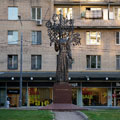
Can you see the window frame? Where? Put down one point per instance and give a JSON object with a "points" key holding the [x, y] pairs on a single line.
{"points": [[38, 42], [118, 18], [36, 13], [36, 61], [96, 62], [90, 43], [12, 63], [117, 67], [116, 37], [16, 17], [67, 10], [89, 12], [13, 42]]}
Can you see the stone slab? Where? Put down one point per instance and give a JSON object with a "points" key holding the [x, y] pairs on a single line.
{"points": [[63, 107], [62, 93]]}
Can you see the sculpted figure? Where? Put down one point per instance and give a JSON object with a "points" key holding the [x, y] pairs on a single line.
{"points": [[60, 31]]}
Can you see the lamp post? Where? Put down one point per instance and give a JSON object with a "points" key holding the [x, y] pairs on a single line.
{"points": [[21, 53]]}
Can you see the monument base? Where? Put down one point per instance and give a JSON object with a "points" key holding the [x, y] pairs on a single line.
{"points": [[62, 93], [63, 107], [62, 99]]}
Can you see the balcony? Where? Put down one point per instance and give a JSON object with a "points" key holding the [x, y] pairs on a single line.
{"points": [[103, 24], [86, 2]]}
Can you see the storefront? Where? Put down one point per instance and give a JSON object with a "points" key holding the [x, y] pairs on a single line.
{"points": [[39, 96], [116, 97], [30, 96], [13, 96], [94, 91], [42, 96], [94, 96], [34, 93]]}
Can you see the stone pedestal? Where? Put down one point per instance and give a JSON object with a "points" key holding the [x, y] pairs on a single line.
{"points": [[62, 93], [62, 99]]}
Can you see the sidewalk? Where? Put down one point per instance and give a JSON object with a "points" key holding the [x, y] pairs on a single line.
{"points": [[84, 107], [102, 107], [68, 116], [22, 108]]}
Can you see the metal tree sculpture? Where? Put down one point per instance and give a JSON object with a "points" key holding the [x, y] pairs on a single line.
{"points": [[60, 32]]}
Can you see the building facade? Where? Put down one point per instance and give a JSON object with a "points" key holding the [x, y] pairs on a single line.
{"points": [[94, 74]]}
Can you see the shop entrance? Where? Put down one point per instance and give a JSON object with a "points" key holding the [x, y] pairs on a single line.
{"points": [[13, 97], [13, 100]]}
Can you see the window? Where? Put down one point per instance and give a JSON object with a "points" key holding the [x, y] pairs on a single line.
{"points": [[39, 95], [12, 13], [36, 37], [93, 38], [118, 62], [36, 13], [105, 14], [117, 13], [117, 37], [91, 96], [93, 13], [12, 37], [36, 61], [93, 61], [67, 12], [12, 61]]}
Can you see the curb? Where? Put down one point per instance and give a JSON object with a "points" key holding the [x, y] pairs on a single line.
{"points": [[53, 114], [83, 115]]}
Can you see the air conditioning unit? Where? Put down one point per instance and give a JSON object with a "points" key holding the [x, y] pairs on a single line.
{"points": [[39, 22]]}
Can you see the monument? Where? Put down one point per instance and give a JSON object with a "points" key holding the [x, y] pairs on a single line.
{"points": [[62, 35]]}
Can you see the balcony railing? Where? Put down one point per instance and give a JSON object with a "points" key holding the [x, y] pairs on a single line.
{"points": [[97, 23], [88, 0]]}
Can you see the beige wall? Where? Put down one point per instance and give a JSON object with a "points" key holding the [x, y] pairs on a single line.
{"points": [[108, 50], [24, 9]]}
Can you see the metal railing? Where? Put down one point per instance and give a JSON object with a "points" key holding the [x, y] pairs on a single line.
{"points": [[111, 1]]}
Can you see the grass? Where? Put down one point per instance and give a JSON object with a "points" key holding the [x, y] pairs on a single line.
{"points": [[25, 115], [103, 114]]}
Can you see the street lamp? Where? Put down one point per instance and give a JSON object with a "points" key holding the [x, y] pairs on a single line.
{"points": [[21, 52]]}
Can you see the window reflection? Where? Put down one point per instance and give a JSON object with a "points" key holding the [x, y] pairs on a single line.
{"points": [[93, 38], [94, 96], [40, 96], [67, 12]]}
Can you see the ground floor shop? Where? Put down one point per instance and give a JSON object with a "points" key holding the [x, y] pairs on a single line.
{"points": [[98, 94], [30, 96], [83, 94], [91, 96]]}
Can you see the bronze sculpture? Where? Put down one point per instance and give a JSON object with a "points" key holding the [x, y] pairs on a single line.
{"points": [[60, 32]]}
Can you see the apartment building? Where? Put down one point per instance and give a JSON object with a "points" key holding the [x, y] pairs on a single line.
{"points": [[94, 74]]}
